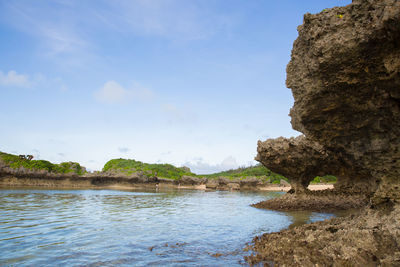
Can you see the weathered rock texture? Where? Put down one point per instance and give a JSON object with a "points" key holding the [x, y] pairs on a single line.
{"points": [[190, 180], [299, 159], [367, 239], [345, 77], [320, 201]]}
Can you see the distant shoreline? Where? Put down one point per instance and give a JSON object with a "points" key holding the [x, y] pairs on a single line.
{"points": [[82, 182], [312, 187]]}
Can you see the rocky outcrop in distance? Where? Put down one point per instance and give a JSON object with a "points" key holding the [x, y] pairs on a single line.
{"points": [[32, 177]]}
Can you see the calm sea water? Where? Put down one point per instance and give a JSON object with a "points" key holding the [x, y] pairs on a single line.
{"points": [[131, 228]]}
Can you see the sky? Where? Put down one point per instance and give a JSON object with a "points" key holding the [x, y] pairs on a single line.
{"points": [[188, 82]]}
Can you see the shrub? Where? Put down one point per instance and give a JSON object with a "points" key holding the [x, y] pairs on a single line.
{"points": [[130, 166], [16, 162], [257, 171], [325, 179]]}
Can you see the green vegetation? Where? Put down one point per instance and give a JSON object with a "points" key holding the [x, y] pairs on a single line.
{"points": [[16, 162], [130, 166], [327, 179], [257, 171], [261, 172]]}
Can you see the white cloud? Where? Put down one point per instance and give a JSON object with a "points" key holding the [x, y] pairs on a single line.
{"points": [[12, 78], [139, 92], [114, 93], [229, 163], [201, 167]]}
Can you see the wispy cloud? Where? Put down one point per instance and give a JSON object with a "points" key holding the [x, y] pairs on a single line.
{"points": [[114, 93], [199, 166], [171, 19], [54, 24], [71, 26], [61, 41], [38, 80], [12, 78]]}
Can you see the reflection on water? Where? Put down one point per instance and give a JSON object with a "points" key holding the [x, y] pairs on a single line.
{"points": [[108, 228], [299, 218], [302, 217]]}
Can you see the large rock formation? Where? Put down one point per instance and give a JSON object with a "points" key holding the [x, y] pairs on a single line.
{"points": [[345, 77]]}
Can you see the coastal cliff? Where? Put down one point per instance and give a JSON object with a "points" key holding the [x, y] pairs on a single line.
{"points": [[344, 74]]}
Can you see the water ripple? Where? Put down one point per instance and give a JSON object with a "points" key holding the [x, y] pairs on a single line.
{"points": [[109, 228]]}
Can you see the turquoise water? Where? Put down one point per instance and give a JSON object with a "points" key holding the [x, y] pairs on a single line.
{"points": [[131, 228]]}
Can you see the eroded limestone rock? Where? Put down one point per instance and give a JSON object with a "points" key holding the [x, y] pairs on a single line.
{"points": [[298, 159], [367, 239], [345, 77]]}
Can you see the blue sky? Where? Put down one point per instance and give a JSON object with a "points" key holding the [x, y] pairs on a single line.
{"points": [[186, 82]]}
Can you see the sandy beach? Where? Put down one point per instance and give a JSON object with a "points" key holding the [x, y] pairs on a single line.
{"points": [[313, 187]]}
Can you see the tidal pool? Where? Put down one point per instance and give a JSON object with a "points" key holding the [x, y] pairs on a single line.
{"points": [[134, 228]]}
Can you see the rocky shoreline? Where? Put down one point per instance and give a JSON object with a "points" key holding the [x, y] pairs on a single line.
{"points": [[11, 176], [118, 182], [318, 201], [367, 238], [32, 178]]}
